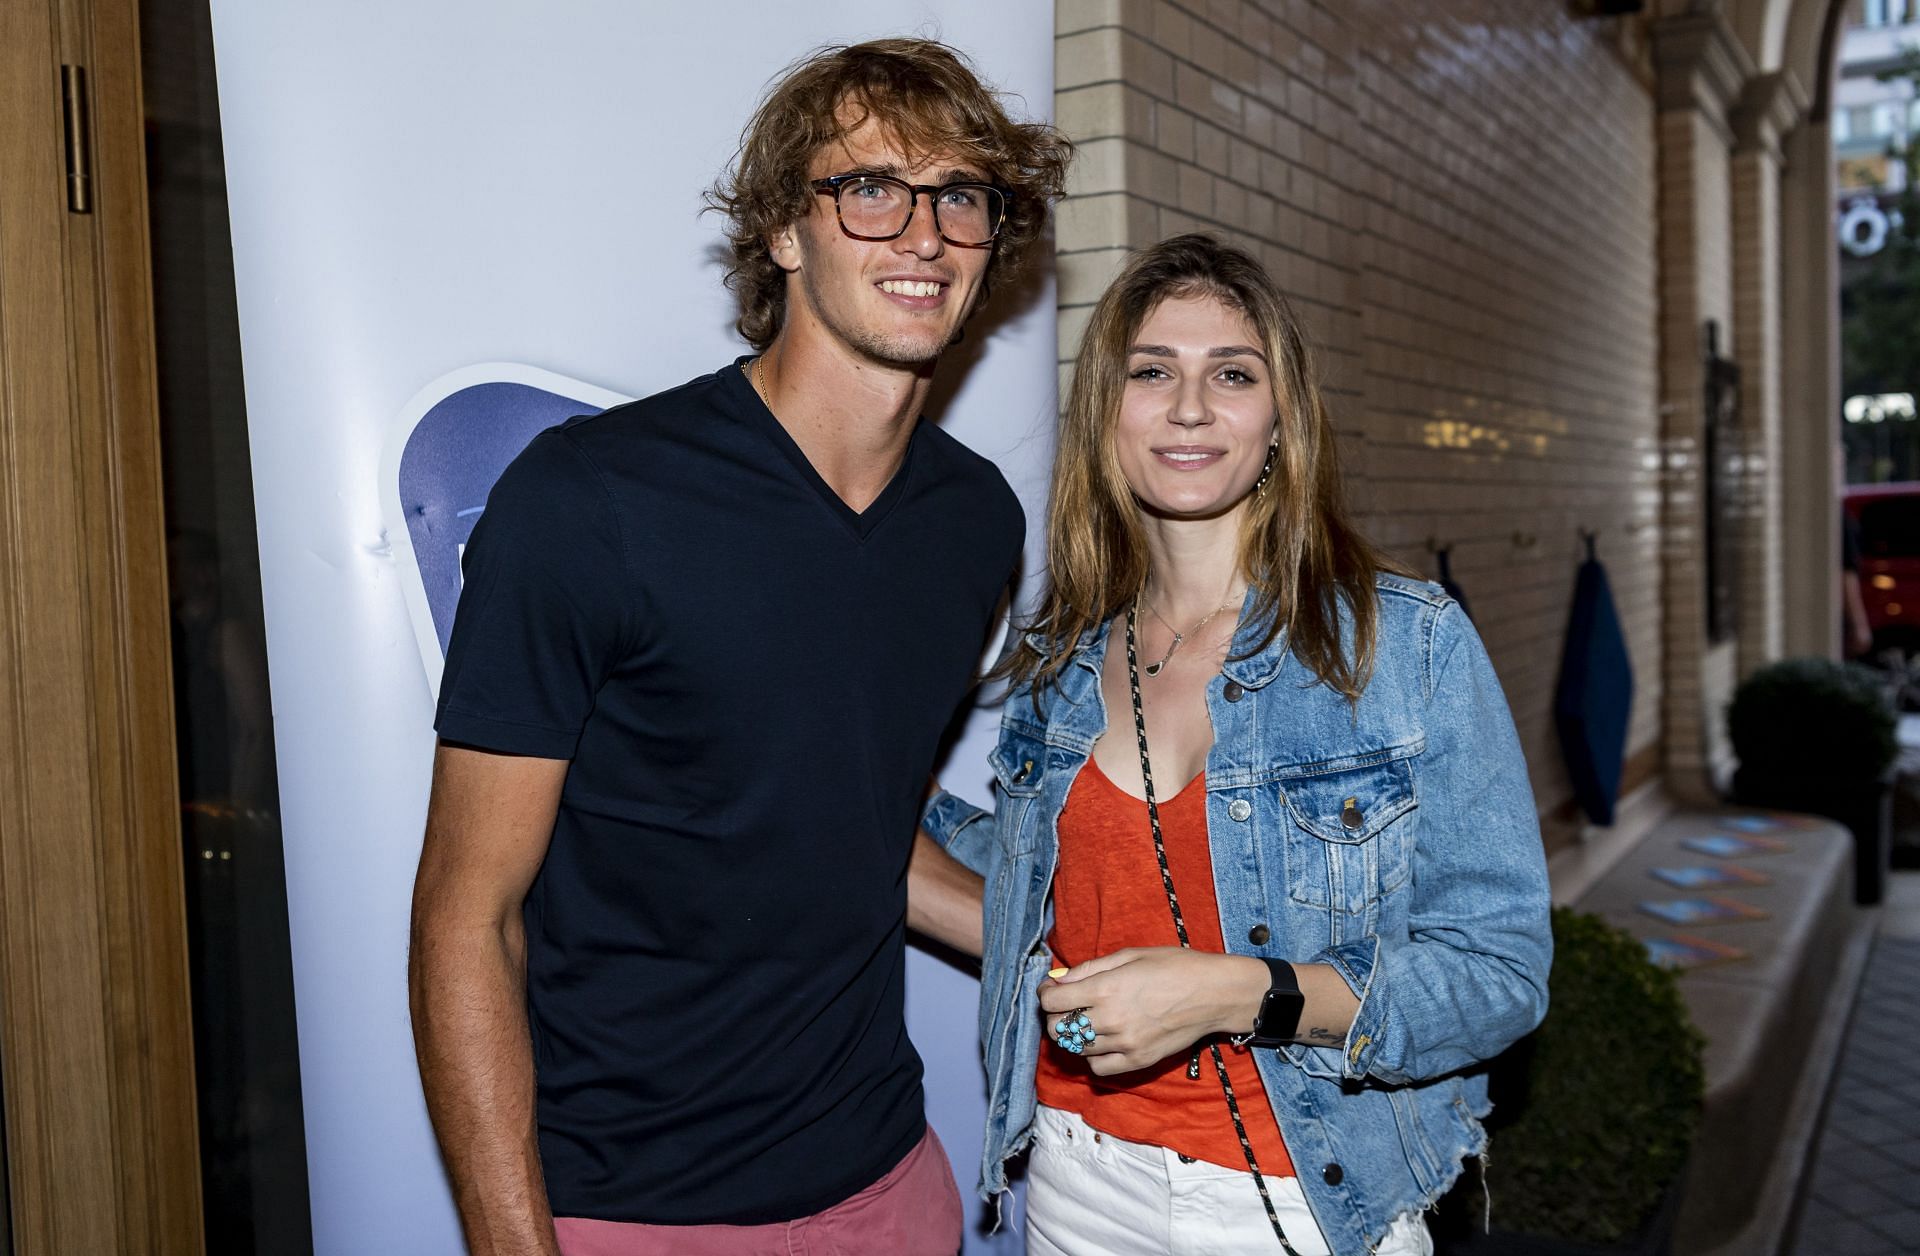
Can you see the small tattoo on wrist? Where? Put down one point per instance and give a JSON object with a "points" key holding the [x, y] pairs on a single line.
{"points": [[1324, 1037]]}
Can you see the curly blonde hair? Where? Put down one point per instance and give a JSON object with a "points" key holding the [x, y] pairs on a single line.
{"points": [[930, 101]]}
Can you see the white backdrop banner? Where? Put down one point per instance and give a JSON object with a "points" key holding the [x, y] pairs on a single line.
{"points": [[454, 224]]}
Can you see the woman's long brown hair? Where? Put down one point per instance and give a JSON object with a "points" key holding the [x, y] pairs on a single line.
{"points": [[1297, 547]]}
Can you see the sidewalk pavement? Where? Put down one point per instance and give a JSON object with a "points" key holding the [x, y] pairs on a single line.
{"points": [[1861, 1192]]}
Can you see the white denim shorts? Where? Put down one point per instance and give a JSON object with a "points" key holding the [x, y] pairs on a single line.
{"points": [[1091, 1194]]}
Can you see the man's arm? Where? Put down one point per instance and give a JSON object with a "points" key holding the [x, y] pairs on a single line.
{"points": [[488, 825], [1853, 614], [943, 897]]}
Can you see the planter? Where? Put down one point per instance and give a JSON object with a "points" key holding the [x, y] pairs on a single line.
{"points": [[1864, 806], [1818, 736], [1653, 1238]]}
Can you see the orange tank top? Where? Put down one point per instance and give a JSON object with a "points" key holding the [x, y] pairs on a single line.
{"points": [[1107, 895]]}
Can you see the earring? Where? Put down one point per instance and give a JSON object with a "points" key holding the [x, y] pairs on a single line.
{"points": [[1266, 469]]}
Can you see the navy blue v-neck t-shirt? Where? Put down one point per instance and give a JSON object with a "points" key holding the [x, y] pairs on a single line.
{"points": [[750, 680]]}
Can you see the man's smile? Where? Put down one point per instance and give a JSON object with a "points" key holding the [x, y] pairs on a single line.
{"points": [[912, 287]]}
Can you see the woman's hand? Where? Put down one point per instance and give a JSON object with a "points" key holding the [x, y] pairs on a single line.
{"points": [[1147, 1003]]}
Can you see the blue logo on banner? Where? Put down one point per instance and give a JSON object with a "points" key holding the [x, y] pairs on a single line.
{"points": [[451, 444]]}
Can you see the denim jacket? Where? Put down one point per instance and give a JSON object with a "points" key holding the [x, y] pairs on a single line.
{"points": [[1431, 902]]}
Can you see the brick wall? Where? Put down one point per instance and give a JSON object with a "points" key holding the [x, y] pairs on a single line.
{"points": [[1696, 285], [1461, 201]]}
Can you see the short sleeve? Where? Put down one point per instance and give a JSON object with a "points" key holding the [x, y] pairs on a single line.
{"points": [[543, 613]]}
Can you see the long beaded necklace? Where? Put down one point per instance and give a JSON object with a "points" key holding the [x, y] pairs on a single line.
{"points": [[1180, 925]]}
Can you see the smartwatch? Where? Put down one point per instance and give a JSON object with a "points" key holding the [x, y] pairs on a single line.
{"points": [[1279, 1016]]}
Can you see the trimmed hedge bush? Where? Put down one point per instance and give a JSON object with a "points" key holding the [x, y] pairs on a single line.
{"points": [[1813, 717], [1595, 1111]]}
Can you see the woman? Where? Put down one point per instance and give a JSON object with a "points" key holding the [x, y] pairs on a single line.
{"points": [[1265, 882]]}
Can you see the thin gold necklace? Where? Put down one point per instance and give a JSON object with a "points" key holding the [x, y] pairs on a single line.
{"points": [[1153, 669], [753, 374]]}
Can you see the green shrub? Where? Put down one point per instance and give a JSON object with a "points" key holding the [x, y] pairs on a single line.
{"points": [[1595, 1111], [1813, 717]]}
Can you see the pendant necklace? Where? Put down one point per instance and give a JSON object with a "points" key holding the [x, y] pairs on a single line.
{"points": [[1153, 669]]}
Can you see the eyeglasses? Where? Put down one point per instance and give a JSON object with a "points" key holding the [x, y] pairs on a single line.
{"points": [[879, 207]]}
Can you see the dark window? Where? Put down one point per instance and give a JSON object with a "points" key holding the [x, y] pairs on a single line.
{"points": [[1890, 527]]}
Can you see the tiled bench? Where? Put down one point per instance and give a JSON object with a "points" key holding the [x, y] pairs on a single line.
{"points": [[1772, 1020]]}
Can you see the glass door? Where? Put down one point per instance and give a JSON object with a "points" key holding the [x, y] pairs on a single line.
{"points": [[252, 1146]]}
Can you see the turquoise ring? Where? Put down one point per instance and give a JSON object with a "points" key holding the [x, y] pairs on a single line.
{"points": [[1073, 1031]]}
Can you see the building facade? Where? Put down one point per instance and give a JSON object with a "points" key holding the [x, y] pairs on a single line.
{"points": [[1516, 230]]}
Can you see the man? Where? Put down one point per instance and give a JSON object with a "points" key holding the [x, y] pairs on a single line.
{"points": [[705, 651]]}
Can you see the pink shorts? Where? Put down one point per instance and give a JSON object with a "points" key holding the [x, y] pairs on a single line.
{"points": [[913, 1211]]}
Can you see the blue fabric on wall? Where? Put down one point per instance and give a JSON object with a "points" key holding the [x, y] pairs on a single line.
{"points": [[1454, 591], [1595, 694]]}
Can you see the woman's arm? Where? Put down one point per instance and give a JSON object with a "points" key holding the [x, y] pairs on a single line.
{"points": [[1147, 1003], [1471, 977]]}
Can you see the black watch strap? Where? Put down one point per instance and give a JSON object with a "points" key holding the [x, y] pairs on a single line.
{"points": [[1279, 1017]]}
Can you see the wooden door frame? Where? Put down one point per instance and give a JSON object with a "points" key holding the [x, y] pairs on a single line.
{"points": [[95, 1028]]}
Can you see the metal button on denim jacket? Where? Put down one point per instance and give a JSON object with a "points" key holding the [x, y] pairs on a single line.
{"points": [[1394, 839]]}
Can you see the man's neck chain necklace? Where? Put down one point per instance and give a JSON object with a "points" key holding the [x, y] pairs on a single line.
{"points": [[1179, 638], [753, 375]]}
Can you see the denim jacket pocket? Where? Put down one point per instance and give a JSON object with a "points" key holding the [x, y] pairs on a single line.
{"points": [[1351, 840], [1019, 762]]}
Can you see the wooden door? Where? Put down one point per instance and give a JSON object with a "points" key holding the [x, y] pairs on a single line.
{"points": [[95, 1044]]}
